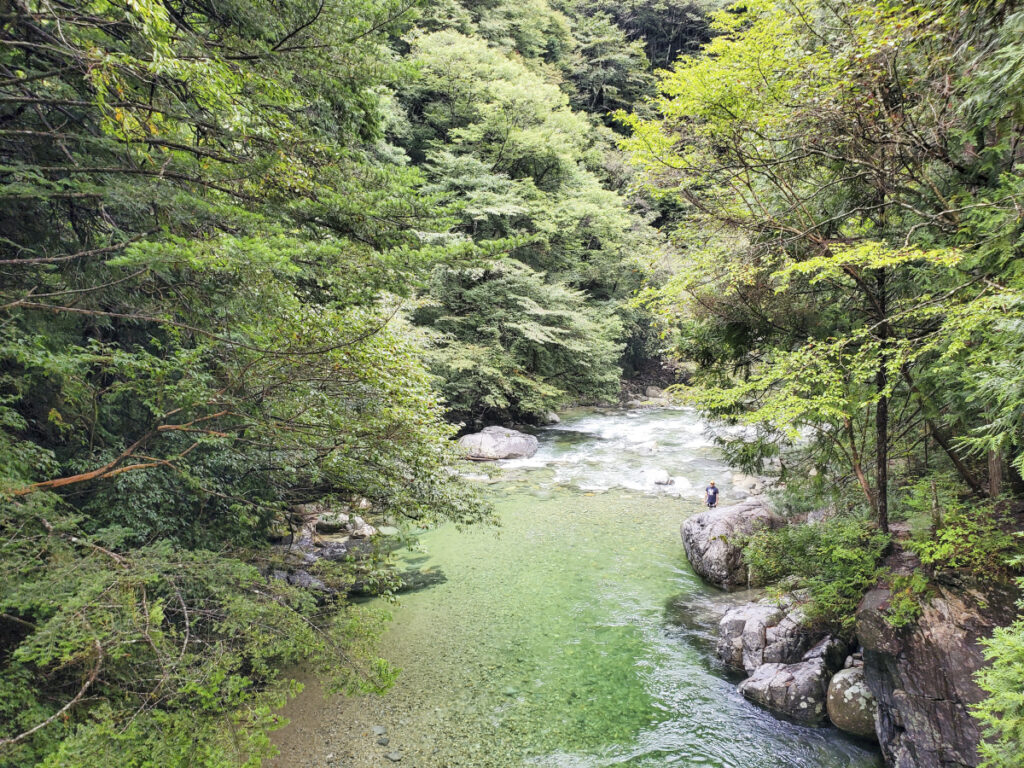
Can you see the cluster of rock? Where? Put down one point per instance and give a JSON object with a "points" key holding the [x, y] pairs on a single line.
{"points": [[317, 531], [493, 443], [793, 671], [654, 397], [789, 667], [912, 688]]}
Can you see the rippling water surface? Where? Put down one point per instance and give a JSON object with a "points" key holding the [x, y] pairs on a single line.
{"points": [[575, 635]]}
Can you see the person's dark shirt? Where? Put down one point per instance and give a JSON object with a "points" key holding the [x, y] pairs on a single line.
{"points": [[712, 492]]}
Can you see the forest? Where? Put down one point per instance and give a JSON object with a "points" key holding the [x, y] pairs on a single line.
{"points": [[256, 254]]}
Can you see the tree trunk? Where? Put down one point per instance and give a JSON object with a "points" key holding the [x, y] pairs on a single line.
{"points": [[858, 468], [995, 473], [882, 414], [941, 438]]}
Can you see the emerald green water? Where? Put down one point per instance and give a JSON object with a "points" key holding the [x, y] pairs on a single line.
{"points": [[555, 639]]}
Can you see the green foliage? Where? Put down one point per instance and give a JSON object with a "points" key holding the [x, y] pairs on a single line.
{"points": [[666, 28], [854, 306], [972, 538], [535, 320], [905, 599], [836, 561], [204, 242], [1001, 713], [607, 70], [846, 184], [511, 346]]}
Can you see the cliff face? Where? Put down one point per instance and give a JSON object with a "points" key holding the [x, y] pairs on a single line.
{"points": [[923, 675]]}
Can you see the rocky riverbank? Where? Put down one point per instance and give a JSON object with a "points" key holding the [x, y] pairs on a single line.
{"points": [[909, 687]]}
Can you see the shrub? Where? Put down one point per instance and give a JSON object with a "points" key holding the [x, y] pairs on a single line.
{"points": [[907, 593], [1001, 714], [837, 561], [970, 539]]}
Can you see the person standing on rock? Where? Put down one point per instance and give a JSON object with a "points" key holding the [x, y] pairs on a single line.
{"points": [[711, 495]]}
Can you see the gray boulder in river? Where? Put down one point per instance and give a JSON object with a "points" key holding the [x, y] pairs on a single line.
{"points": [[851, 705], [797, 691], [923, 675], [765, 632], [498, 443], [713, 540]]}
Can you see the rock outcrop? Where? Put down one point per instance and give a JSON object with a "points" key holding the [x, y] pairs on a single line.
{"points": [[333, 521], [851, 705], [797, 691], [765, 632], [360, 529], [498, 443], [713, 540], [789, 664], [923, 675]]}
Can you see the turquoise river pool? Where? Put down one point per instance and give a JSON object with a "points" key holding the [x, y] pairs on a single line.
{"points": [[572, 635]]}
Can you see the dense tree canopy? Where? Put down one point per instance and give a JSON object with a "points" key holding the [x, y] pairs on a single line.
{"points": [[259, 254], [849, 182], [203, 249], [537, 185]]}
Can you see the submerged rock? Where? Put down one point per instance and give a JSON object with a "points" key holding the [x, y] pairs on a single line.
{"points": [[923, 675], [851, 705], [498, 443], [713, 540], [661, 477]]}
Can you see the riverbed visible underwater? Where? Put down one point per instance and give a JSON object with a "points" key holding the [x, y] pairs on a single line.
{"points": [[574, 635]]}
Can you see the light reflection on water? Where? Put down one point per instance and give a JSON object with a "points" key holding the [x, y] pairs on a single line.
{"points": [[627, 450], [575, 635]]}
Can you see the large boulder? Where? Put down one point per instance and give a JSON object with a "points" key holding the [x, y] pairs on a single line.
{"points": [[764, 632], [850, 703], [498, 443], [923, 675], [797, 691], [713, 540]]}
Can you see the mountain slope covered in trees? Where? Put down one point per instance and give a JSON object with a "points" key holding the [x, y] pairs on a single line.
{"points": [[256, 254]]}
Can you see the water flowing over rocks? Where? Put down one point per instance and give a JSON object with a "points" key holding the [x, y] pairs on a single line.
{"points": [[923, 675], [713, 540], [494, 443]]}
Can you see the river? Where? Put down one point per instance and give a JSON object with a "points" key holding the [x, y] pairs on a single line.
{"points": [[570, 636]]}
